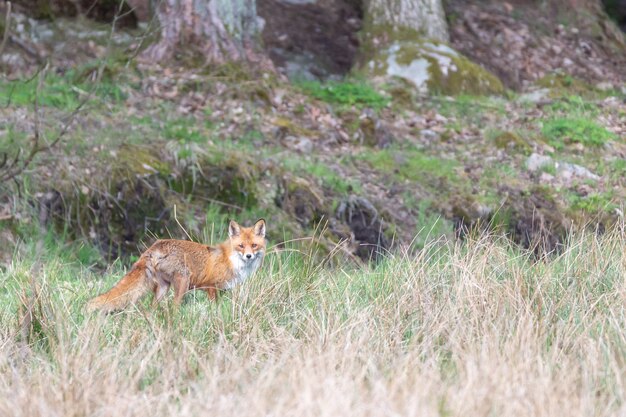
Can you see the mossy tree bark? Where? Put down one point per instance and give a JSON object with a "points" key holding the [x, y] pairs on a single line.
{"points": [[425, 17], [218, 30]]}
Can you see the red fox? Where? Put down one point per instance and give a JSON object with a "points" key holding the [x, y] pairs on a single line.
{"points": [[187, 265]]}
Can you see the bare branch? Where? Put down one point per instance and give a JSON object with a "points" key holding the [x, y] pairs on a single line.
{"points": [[15, 168], [7, 23]]}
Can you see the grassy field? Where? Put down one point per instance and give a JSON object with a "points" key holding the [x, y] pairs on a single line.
{"points": [[474, 329]]}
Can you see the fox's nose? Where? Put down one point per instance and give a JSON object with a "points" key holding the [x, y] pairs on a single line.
{"points": [[248, 255]]}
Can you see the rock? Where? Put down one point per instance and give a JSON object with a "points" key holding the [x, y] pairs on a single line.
{"points": [[429, 135], [535, 96], [535, 162], [301, 144], [566, 171], [431, 67], [546, 178], [605, 86]]}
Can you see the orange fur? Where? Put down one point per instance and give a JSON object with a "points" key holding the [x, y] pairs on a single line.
{"points": [[186, 265]]}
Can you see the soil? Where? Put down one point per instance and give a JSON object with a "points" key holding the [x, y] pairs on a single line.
{"points": [[320, 38], [523, 41]]}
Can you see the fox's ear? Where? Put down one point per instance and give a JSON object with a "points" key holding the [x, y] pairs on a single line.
{"points": [[259, 228], [233, 229]]}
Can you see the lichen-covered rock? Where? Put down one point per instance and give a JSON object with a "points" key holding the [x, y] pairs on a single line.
{"points": [[431, 67]]}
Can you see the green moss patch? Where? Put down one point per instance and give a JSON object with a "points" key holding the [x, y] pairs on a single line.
{"points": [[509, 141], [136, 161]]}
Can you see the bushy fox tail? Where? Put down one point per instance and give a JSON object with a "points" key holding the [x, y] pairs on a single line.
{"points": [[129, 290]]}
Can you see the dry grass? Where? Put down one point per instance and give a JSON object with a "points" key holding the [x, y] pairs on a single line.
{"points": [[479, 329]]}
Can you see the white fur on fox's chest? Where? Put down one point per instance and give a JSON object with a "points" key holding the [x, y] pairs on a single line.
{"points": [[242, 269]]}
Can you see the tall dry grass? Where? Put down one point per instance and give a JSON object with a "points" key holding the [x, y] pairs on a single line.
{"points": [[474, 329]]}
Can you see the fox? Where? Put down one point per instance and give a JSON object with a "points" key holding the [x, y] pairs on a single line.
{"points": [[186, 266]]}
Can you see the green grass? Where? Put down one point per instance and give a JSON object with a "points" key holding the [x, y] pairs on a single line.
{"points": [[618, 168], [574, 106], [593, 203], [319, 170], [62, 92], [430, 225], [347, 93], [470, 109], [184, 130], [410, 164], [560, 131]]}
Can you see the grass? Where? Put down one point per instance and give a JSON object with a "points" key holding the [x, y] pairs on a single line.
{"points": [[347, 93], [319, 170], [470, 109], [560, 131], [593, 203], [477, 329], [574, 106], [61, 92], [410, 164]]}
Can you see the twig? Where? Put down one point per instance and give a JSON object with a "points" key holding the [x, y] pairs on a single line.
{"points": [[180, 225], [13, 169], [27, 48], [7, 23]]}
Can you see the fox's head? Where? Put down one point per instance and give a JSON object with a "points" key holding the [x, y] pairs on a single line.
{"points": [[248, 242]]}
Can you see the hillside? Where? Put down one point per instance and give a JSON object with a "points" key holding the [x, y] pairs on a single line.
{"points": [[375, 163]]}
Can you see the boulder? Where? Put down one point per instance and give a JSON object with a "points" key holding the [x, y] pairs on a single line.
{"points": [[432, 67]]}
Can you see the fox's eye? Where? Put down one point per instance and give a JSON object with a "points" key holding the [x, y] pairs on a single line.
{"points": [[241, 245], [253, 245]]}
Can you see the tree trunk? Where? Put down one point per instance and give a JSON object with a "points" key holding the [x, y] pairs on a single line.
{"points": [[425, 17], [218, 30]]}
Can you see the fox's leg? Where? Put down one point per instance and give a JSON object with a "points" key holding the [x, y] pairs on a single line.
{"points": [[211, 293], [181, 286], [161, 284], [160, 290]]}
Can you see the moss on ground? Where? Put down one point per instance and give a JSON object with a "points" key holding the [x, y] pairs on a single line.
{"points": [[563, 85], [511, 141]]}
